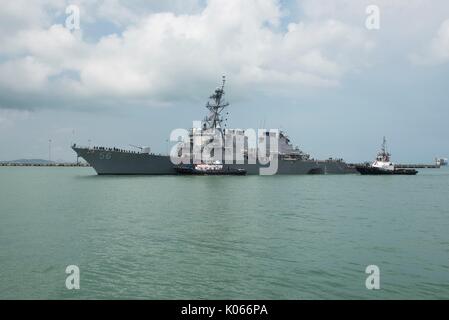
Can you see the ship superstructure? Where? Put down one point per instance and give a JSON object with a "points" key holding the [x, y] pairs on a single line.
{"points": [[383, 158], [441, 162], [213, 134]]}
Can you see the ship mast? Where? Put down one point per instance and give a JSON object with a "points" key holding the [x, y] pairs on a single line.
{"points": [[384, 155], [213, 122], [216, 105]]}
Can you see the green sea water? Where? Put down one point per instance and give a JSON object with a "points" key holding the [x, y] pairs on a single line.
{"points": [[167, 237]]}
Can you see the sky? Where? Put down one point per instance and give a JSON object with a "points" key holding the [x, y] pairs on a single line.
{"points": [[136, 70]]}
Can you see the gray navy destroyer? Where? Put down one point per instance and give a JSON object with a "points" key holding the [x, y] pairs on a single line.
{"points": [[289, 159]]}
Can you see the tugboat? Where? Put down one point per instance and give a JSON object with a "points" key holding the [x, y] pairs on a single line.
{"points": [[216, 169], [383, 165]]}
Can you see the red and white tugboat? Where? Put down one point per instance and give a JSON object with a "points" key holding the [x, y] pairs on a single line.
{"points": [[383, 165]]}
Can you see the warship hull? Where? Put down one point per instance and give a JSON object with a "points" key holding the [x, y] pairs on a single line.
{"points": [[112, 162]]}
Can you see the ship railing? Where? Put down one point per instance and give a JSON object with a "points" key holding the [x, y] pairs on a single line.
{"points": [[107, 149]]}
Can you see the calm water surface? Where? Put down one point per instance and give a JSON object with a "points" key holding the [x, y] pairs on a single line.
{"points": [[280, 237]]}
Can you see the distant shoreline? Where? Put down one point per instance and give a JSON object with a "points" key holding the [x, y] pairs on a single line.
{"points": [[12, 164]]}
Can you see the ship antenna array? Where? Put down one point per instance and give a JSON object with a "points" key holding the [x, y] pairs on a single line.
{"points": [[216, 106], [384, 146], [384, 152]]}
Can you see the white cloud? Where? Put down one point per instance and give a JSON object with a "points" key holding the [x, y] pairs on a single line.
{"points": [[161, 56], [437, 51], [116, 12], [24, 75]]}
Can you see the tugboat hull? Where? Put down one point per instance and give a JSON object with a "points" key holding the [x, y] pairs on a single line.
{"points": [[366, 170], [191, 170]]}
